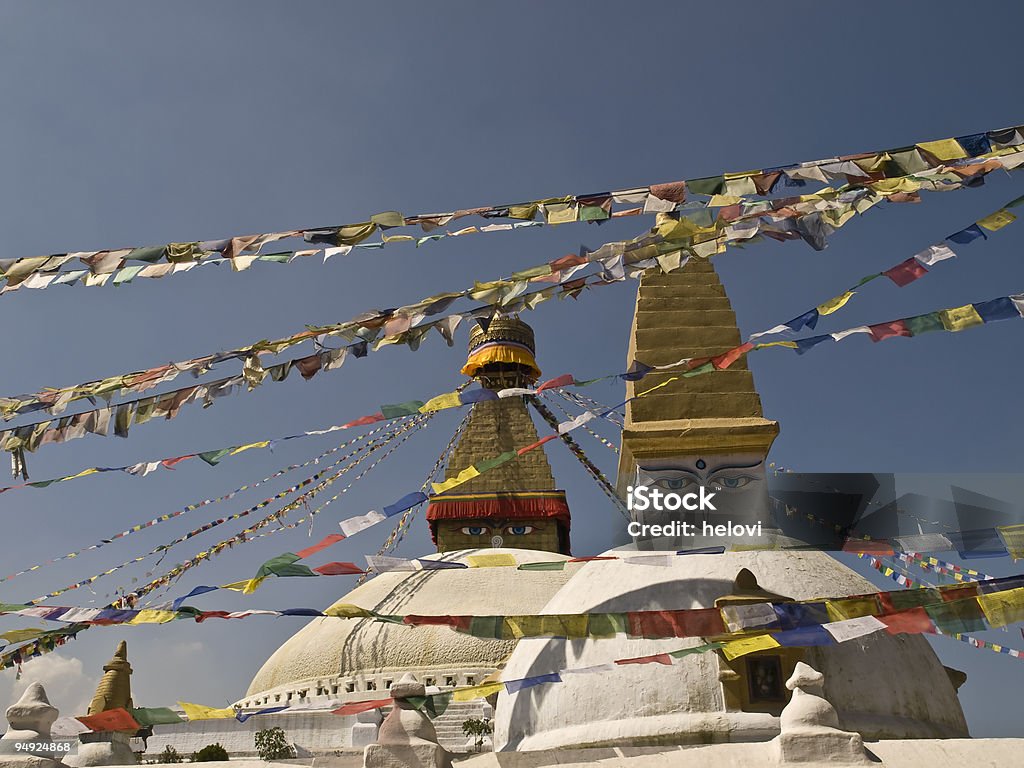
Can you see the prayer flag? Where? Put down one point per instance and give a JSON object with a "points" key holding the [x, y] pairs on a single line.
{"points": [[943, 149], [1013, 539], [325, 542], [835, 304], [406, 502], [200, 712], [348, 611], [119, 719], [476, 691], [958, 616], [657, 658], [993, 222], [243, 716], [959, 318], [967, 234], [513, 686], [744, 645], [362, 706], [440, 402], [803, 637], [911, 622], [924, 323], [888, 330], [354, 525], [933, 254], [501, 559], [1002, 308], [1002, 608], [338, 569], [906, 272], [805, 345], [156, 716], [754, 616], [852, 628], [464, 476], [808, 319]]}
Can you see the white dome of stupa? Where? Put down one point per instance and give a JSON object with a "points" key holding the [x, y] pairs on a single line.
{"points": [[883, 686], [339, 658]]}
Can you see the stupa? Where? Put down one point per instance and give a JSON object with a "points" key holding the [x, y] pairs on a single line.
{"points": [[513, 509], [709, 430]]}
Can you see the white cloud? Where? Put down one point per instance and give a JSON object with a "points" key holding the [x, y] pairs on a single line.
{"points": [[67, 687]]}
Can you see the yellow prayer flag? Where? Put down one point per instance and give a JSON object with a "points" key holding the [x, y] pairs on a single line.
{"points": [[1013, 539], [440, 402], [492, 561], [851, 608], [720, 201], [348, 611], [744, 645], [892, 186], [944, 149], [149, 616], [560, 213], [790, 344], [835, 304], [476, 691], [569, 625], [959, 318], [743, 185], [996, 221], [464, 476], [242, 448], [522, 211], [246, 586], [199, 712], [1002, 608], [397, 238]]}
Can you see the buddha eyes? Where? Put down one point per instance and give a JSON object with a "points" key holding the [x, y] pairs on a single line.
{"points": [[512, 530], [475, 530], [674, 483], [519, 530], [731, 482]]}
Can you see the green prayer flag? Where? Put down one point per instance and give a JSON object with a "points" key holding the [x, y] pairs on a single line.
{"points": [[696, 649], [273, 563], [593, 213], [914, 598], [156, 716], [388, 219], [557, 565], [712, 185], [213, 457], [957, 616], [488, 627], [151, 254], [606, 624], [701, 369], [486, 464], [401, 409], [924, 323], [281, 258]]}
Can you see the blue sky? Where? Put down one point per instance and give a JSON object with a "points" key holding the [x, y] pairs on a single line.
{"points": [[131, 124]]}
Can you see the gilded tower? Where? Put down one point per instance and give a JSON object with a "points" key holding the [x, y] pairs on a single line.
{"points": [[514, 504]]}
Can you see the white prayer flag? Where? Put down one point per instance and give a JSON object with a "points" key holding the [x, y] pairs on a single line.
{"points": [[933, 254], [738, 617], [851, 628], [354, 525], [840, 335], [579, 421]]}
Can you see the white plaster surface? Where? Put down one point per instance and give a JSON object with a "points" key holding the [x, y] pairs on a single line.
{"points": [[882, 686]]}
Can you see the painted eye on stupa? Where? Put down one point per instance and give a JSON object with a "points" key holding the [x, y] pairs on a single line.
{"points": [[476, 530], [732, 482], [673, 483], [519, 530]]}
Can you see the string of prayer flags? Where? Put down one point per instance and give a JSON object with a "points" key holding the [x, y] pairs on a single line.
{"points": [[883, 172], [201, 712]]}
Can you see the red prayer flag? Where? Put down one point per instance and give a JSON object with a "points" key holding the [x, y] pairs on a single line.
{"points": [[658, 658], [703, 622], [565, 262], [888, 330], [169, 463], [867, 547], [590, 559], [538, 444], [361, 706], [912, 622], [565, 380], [110, 720], [360, 422], [906, 272], [338, 569], [730, 357], [324, 543], [962, 592]]}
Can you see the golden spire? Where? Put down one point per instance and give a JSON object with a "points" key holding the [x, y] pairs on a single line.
{"points": [[115, 688]]}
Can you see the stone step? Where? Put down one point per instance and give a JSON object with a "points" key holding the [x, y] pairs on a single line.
{"points": [[681, 280], [686, 318], [688, 302], [708, 337], [696, 406], [662, 292], [733, 379]]}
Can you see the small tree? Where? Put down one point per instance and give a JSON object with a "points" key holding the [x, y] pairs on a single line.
{"points": [[210, 753], [169, 755], [272, 744], [478, 728]]}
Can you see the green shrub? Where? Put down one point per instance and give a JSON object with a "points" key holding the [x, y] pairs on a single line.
{"points": [[477, 728], [210, 753], [272, 744], [169, 755]]}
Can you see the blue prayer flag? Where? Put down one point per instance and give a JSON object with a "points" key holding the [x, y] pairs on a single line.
{"points": [[997, 309], [967, 234], [528, 682], [803, 636]]}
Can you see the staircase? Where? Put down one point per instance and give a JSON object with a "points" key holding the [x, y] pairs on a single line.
{"points": [[449, 725]]}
